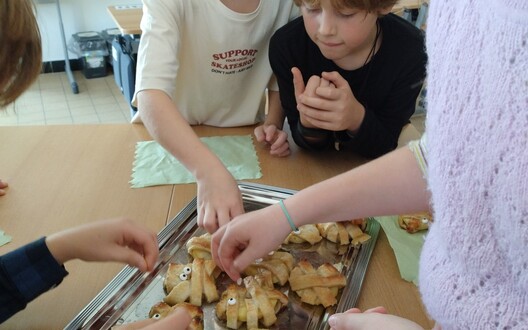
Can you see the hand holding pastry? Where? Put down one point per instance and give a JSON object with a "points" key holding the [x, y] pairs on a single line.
{"points": [[248, 237]]}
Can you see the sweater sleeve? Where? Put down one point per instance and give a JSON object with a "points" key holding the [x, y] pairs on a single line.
{"points": [[25, 274]]}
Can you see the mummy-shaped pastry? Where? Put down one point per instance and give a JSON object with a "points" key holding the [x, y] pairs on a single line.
{"points": [[344, 232], [190, 282], [279, 264], [316, 286], [413, 223], [199, 247], [250, 304], [306, 233], [161, 310]]}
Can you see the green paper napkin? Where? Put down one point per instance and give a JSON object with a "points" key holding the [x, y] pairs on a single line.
{"points": [[407, 247], [4, 239], [154, 166]]}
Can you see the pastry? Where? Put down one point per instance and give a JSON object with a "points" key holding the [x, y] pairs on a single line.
{"points": [[413, 223], [199, 247], [344, 232], [190, 282], [250, 304], [306, 233], [161, 310], [316, 286], [279, 264]]}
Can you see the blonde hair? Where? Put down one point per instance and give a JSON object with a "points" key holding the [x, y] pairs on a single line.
{"points": [[20, 49], [368, 5]]}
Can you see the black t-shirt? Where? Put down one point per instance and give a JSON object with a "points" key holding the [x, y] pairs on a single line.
{"points": [[387, 86]]}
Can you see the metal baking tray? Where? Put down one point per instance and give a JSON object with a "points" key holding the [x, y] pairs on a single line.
{"points": [[131, 294]]}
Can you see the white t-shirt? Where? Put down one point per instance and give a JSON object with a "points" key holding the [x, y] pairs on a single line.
{"points": [[212, 61]]}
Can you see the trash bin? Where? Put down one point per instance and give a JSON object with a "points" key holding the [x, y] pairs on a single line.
{"points": [[109, 35], [92, 50]]}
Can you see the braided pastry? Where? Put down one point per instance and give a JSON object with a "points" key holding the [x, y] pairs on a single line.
{"points": [[161, 310], [413, 223], [344, 232], [190, 282], [316, 286], [279, 264], [250, 304], [199, 247], [306, 233]]}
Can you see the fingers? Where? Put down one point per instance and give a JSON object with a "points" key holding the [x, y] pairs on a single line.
{"points": [[298, 82], [224, 250], [259, 133], [378, 309], [3, 185]]}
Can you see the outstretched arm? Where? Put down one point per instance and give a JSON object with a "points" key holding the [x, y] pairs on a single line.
{"points": [[392, 184], [219, 199]]}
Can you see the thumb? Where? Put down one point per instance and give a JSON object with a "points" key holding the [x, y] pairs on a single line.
{"points": [[244, 259], [298, 82]]}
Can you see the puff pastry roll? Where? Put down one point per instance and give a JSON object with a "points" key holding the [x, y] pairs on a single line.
{"points": [[344, 232], [316, 286], [414, 223], [250, 304], [161, 310], [199, 247], [279, 264], [306, 233], [190, 282]]}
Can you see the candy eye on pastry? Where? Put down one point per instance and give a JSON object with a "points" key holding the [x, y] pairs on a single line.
{"points": [[184, 277], [231, 301], [187, 270], [306, 233], [161, 310], [156, 316]]}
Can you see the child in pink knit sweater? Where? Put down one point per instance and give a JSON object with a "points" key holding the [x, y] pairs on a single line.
{"points": [[474, 264]]}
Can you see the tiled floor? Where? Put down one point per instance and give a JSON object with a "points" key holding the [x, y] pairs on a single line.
{"points": [[50, 101]]}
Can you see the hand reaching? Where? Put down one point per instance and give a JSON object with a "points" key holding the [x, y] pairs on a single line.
{"points": [[374, 318], [327, 102], [248, 237], [109, 240], [179, 319], [219, 199], [276, 138]]}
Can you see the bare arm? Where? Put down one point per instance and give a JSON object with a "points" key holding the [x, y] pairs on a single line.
{"points": [[392, 184], [218, 196]]}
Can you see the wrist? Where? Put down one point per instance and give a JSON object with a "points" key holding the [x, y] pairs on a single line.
{"points": [[57, 245], [309, 132]]}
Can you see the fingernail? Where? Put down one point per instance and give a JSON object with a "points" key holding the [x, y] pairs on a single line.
{"points": [[332, 321]]}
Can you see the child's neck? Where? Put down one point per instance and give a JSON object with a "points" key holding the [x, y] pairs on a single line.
{"points": [[242, 6]]}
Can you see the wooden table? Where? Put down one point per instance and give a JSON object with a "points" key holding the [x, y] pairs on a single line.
{"points": [[61, 176], [126, 18]]}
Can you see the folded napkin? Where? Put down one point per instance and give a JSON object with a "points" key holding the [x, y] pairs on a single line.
{"points": [[153, 165], [4, 239], [407, 247]]}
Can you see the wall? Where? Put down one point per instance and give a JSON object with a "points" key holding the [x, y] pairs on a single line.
{"points": [[77, 16]]}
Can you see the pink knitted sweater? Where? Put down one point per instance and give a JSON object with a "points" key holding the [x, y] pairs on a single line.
{"points": [[474, 265]]}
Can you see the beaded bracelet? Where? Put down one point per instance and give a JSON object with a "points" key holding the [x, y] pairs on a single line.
{"points": [[288, 217]]}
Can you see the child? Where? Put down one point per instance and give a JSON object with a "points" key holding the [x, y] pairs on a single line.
{"points": [[37, 267], [363, 69], [205, 63], [472, 172]]}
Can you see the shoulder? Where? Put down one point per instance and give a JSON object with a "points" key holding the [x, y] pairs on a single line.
{"points": [[290, 31], [401, 38]]}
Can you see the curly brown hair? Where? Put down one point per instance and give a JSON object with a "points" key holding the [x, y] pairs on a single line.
{"points": [[20, 49], [368, 5]]}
